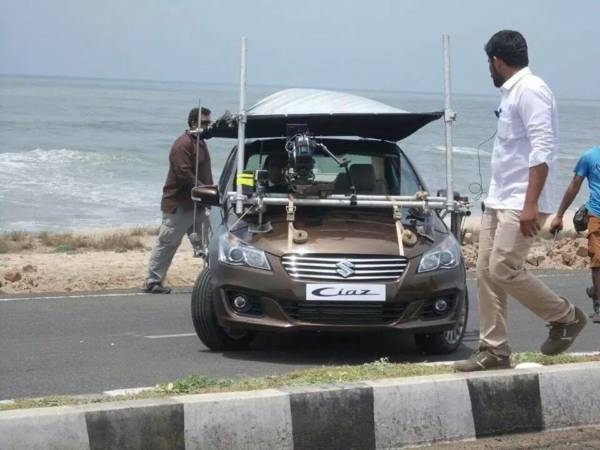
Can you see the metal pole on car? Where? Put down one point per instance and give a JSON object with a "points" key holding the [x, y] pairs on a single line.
{"points": [[194, 236], [239, 206], [198, 139], [449, 118]]}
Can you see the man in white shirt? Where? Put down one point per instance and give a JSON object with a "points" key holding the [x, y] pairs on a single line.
{"points": [[519, 201]]}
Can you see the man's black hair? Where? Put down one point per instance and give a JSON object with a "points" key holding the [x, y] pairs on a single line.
{"points": [[193, 116], [509, 46]]}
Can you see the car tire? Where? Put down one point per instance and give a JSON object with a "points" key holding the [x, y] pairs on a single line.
{"points": [[446, 342], [214, 336]]}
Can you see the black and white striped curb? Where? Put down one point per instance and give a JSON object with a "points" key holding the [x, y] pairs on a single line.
{"points": [[382, 414]]}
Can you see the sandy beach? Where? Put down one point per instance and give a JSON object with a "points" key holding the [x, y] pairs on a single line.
{"points": [[117, 259]]}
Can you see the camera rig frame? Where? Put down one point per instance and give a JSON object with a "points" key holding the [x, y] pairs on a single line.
{"points": [[300, 145]]}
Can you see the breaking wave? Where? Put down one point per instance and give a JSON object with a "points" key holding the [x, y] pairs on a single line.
{"points": [[58, 156], [50, 188], [461, 150], [486, 154]]}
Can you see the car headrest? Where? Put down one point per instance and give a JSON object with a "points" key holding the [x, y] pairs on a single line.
{"points": [[363, 176], [278, 159], [341, 184]]}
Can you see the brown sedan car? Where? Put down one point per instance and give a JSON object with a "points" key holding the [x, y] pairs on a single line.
{"points": [[286, 265], [347, 275]]}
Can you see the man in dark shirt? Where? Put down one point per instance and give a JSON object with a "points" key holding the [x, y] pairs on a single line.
{"points": [[176, 204]]}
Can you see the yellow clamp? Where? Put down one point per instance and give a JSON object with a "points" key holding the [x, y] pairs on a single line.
{"points": [[245, 179]]}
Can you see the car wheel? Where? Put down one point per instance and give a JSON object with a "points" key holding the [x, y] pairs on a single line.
{"points": [[448, 341], [214, 336]]}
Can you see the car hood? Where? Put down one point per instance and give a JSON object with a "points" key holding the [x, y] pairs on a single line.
{"points": [[338, 234]]}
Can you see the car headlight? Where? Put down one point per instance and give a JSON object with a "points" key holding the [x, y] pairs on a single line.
{"points": [[237, 253], [446, 255]]}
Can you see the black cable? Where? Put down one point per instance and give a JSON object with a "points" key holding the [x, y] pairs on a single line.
{"points": [[476, 188]]}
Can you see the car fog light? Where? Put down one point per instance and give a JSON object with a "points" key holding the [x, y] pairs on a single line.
{"points": [[441, 306], [240, 303]]}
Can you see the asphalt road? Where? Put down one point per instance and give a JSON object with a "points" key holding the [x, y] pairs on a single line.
{"points": [[90, 343]]}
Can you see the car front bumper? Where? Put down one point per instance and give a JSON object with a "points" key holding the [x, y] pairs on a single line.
{"points": [[279, 302]]}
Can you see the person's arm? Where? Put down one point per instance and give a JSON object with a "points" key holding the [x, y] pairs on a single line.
{"points": [[570, 194], [206, 160], [182, 164], [535, 107], [581, 171], [529, 221]]}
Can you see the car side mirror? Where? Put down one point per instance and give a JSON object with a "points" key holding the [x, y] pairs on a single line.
{"points": [[207, 195]]}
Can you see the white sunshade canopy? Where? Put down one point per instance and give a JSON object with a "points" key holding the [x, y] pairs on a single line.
{"points": [[327, 113], [316, 101]]}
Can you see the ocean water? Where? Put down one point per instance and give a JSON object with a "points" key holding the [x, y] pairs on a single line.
{"points": [[92, 153]]}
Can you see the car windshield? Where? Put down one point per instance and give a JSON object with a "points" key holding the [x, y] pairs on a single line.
{"points": [[372, 174]]}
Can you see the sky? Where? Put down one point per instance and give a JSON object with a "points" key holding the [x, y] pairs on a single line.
{"points": [[378, 44]]}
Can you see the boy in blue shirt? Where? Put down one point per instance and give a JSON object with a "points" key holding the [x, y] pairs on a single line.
{"points": [[588, 167]]}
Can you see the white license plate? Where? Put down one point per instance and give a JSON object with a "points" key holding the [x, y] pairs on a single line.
{"points": [[345, 292]]}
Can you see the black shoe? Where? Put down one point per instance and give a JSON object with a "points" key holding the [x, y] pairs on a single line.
{"points": [[562, 335], [591, 293], [156, 288], [482, 360]]}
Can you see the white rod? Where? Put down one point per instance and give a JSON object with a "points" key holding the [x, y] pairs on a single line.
{"points": [[389, 197], [411, 198], [197, 159], [340, 202], [449, 118], [239, 207], [198, 139]]}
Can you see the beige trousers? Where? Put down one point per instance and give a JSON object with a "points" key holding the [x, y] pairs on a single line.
{"points": [[501, 272]]}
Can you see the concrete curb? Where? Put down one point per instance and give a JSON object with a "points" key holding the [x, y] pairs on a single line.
{"points": [[388, 413]]}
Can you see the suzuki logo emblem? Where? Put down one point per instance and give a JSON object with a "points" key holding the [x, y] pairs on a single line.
{"points": [[345, 268]]}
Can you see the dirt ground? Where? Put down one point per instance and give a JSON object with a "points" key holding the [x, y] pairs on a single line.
{"points": [[566, 253], [44, 269], [583, 438]]}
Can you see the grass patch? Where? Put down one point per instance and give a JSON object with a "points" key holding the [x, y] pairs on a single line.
{"points": [[323, 375], [544, 360], [65, 248], [382, 368], [146, 230], [15, 241], [199, 384], [118, 241], [18, 236], [59, 400], [62, 240]]}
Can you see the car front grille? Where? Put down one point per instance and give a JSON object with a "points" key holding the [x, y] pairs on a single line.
{"points": [[344, 267], [344, 313]]}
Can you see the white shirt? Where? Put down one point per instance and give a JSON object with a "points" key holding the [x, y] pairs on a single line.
{"points": [[527, 137]]}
